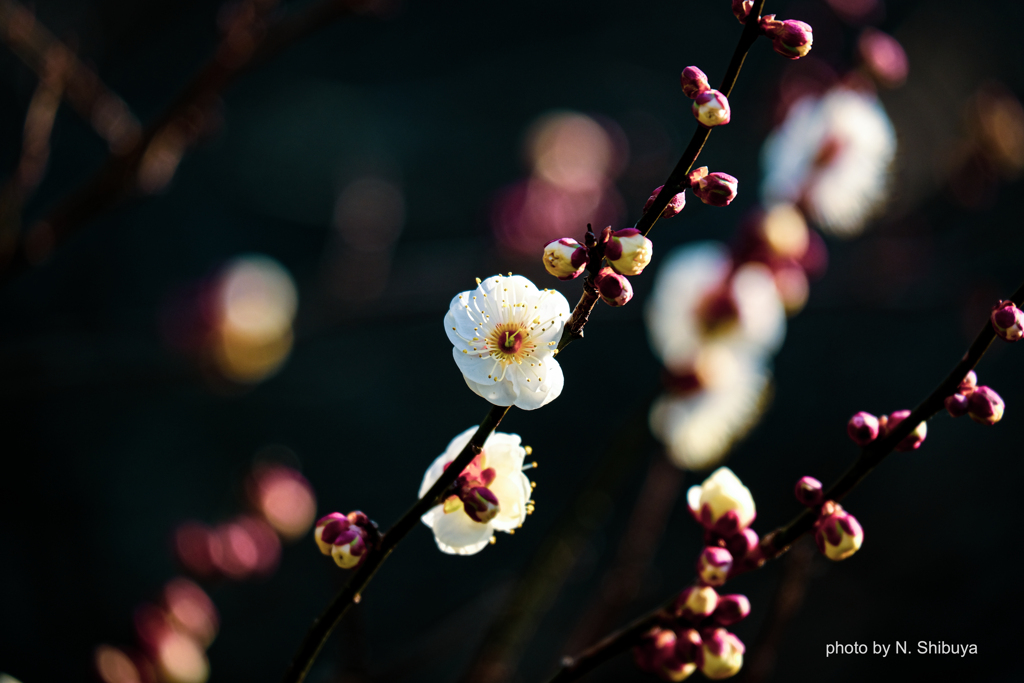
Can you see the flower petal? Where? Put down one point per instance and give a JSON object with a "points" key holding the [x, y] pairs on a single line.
{"points": [[452, 451], [457, 534], [548, 387], [473, 367], [512, 492], [499, 393], [504, 453]]}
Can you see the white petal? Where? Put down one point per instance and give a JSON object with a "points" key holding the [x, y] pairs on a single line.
{"points": [[504, 453], [513, 492], [762, 315], [529, 398], [499, 393], [475, 368], [693, 499], [457, 534]]}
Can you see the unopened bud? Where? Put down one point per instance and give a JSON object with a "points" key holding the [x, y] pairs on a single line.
{"points": [[713, 566], [716, 189], [968, 384], [694, 82], [613, 288], [808, 491], [480, 504], [675, 205], [711, 108], [985, 406], [956, 405], [656, 654], [862, 428], [837, 532], [741, 9], [688, 645], [722, 655], [912, 441], [628, 251], [742, 544], [731, 609], [565, 258], [791, 38], [696, 603], [722, 504], [327, 529], [1008, 321], [349, 548]]}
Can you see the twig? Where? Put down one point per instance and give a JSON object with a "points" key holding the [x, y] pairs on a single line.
{"points": [[778, 541]]}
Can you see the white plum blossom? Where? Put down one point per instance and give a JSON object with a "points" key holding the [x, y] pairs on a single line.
{"points": [[501, 464], [699, 427], [698, 299], [505, 333], [831, 155], [722, 503]]}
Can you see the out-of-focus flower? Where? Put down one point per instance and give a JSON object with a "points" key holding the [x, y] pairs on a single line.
{"points": [[565, 258], [1008, 321], [862, 428], [190, 610], [831, 156], [284, 498], [912, 441], [731, 609], [656, 654], [837, 532], [693, 81], [713, 565], [722, 656], [727, 393], [455, 531], [699, 299], [614, 289], [674, 206], [695, 603], [808, 491], [628, 251], [985, 406], [711, 108], [716, 189], [883, 57], [790, 38], [504, 335], [722, 503]]}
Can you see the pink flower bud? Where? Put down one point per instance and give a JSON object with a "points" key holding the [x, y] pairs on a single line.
{"points": [[694, 82], [696, 603], [716, 189], [883, 57], [327, 529], [675, 205], [968, 383], [791, 38], [862, 428], [741, 9], [688, 645], [837, 532], [565, 258], [628, 251], [696, 174], [913, 440], [985, 406], [742, 544], [713, 566], [711, 108], [808, 491], [613, 288], [1008, 321], [349, 548], [722, 655], [956, 405], [656, 654], [731, 609], [480, 504]]}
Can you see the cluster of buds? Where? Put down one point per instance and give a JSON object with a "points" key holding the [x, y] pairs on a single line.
{"points": [[694, 637], [725, 508], [715, 189], [710, 107], [1007, 321], [626, 252], [863, 428], [982, 403], [790, 38], [346, 538], [837, 533]]}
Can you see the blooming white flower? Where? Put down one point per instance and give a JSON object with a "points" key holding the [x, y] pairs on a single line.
{"points": [[454, 530], [831, 155], [699, 427], [504, 334], [722, 503], [698, 299]]}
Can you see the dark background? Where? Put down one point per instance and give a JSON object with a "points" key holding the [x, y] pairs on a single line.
{"points": [[110, 438]]}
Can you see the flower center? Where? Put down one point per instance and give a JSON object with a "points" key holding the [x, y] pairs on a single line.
{"points": [[509, 342]]}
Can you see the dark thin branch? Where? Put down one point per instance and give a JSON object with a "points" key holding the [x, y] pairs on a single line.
{"points": [[779, 541], [678, 177], [351, 593]]}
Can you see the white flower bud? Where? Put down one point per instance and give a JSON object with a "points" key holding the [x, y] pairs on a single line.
{"points": [[565, 258], [722, 503], [628, 251]]}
